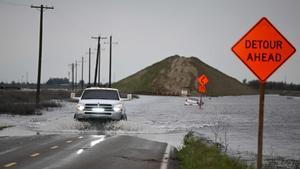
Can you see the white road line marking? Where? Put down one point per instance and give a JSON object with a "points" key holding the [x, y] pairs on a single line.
{"points": [[94, 142], [69, 141], [54, 147], [10, 164], [35, 154], [80, 137], [164, 162], [8, 151], [79, 151]]}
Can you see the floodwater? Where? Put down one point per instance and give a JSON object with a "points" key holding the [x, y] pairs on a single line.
{"points": [[231, 120]]}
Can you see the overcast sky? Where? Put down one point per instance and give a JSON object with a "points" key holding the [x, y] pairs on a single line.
{"points": [[147, 31]]}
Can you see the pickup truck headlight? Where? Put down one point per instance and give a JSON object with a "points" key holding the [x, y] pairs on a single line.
{"points": [[118, 107], [80, 107]]}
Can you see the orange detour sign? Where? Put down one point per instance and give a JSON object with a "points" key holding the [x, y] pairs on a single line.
{"points": [[263, 49], [201, 88], [202, 80]]}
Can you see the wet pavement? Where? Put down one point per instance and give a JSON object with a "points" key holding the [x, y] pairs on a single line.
{"points": [[83, 151]]}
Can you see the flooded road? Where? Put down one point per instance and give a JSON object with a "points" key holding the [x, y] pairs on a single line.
{"points": [[231, 120]]}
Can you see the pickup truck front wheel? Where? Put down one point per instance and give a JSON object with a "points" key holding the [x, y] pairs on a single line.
{"points": [[124, 117]]}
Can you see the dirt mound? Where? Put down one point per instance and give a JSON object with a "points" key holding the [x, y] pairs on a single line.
{"points": [[171, 75]]}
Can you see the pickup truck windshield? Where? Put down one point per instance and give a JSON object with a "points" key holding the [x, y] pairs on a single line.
{"points": [[100, 94]]}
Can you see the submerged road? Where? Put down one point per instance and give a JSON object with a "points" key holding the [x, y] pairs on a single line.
{"points": [[84, 151]]}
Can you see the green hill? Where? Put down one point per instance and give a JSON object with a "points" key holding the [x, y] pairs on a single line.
{"points": [[171, 75]]}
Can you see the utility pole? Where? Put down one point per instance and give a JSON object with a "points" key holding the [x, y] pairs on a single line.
{"points": [[89, 55], [69, 75], [99, 64], [76, 74], [97, 67], [97, 58], [89, 66], [26, 77], [42, 7], [82, 64], [110, 59], [82, 83], [110, 53], [72, 76]]}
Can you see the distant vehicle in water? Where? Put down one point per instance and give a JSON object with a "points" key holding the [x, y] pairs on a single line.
{"points": [[100, 103], [193, 101]]}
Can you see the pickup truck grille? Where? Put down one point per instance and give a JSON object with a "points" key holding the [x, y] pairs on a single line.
{"points": [[107, 107], [98, 113]]}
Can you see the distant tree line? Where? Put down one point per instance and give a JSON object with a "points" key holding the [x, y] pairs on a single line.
{"points": [[57, 81], [273, 85]]}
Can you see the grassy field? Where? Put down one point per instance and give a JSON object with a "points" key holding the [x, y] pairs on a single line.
{"points": [[23, 102], [196, 154]]}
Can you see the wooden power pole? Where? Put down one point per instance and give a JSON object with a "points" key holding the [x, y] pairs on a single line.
{"points": [[42, 7], [97, 67], [110, 59]]}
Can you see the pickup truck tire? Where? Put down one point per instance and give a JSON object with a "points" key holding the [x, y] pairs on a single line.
{"points": [[124, 117], [76, 118]]}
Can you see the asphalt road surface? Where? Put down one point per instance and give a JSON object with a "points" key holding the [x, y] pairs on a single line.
{"points": [[84, 151]]}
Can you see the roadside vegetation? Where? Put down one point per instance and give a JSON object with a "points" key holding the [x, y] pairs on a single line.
{"points": [[18, 102], [4, 126], [281, 88], [197, 154], [274, 85]]}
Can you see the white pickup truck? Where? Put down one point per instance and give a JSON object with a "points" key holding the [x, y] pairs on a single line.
{"points": [[100, 103]]}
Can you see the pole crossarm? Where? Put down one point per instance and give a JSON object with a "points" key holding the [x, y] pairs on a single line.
{"points": [[97, 37], [42, 6]]}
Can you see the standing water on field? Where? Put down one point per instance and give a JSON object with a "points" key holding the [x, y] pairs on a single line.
{"points": [[232, 120]]}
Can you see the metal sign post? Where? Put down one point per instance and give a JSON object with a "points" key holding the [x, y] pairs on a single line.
{"points": [[260, 124], [200, 101], [202, 80]]}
